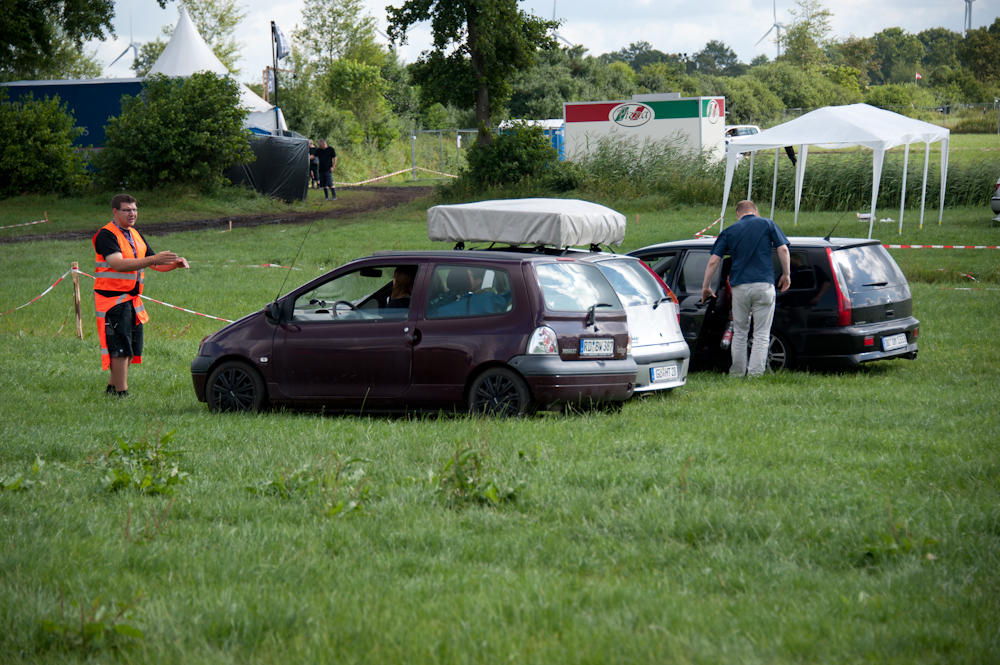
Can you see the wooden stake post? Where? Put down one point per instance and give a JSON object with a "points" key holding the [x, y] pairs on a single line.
{"points": [[76, 299]]}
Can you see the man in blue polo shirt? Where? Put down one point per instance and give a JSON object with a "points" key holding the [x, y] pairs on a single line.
{"points": [[749, 242]]}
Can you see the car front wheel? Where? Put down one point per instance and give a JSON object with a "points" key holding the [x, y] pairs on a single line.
{"points": [[499, 392], [235, 386], [779, 354]]}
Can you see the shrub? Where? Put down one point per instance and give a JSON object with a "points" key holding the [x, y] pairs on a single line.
{"points": [[179, 130], [986, 123], [518, 153], [36, 147]]}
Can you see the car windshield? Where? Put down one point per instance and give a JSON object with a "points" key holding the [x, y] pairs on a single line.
{"points": [[868, 267], [633, 283], [575, 287]]}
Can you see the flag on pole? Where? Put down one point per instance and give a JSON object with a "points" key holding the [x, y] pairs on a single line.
{"points": [[270, 80], [284, 49], [919, 76]]}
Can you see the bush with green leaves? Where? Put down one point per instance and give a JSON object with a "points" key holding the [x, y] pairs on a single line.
{"points": [[147, 466], [518, 153], [177, 131], [36, 147]]}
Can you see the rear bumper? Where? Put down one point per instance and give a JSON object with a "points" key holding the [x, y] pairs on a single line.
{"points": [[660, 355], [845, 347], [995, 205], [556, 381]]}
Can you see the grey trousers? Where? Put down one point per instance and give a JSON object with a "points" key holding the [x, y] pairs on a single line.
{"points": [[756, 300]]}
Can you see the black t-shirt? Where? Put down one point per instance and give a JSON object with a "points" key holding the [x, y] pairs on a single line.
{"points": [[326, 156], [107, 243], [312, 154]]}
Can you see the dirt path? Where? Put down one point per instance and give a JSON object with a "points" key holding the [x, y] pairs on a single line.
{"points": [[384, 197]]}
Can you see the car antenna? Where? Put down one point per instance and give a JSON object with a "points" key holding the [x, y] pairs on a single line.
{"points": [[827, 238], [296, 258]]}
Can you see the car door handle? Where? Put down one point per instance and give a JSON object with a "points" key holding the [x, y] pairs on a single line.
{"points": [[413, 339]]}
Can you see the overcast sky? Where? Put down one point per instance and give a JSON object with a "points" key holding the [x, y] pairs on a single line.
{"points": [[601, 26]]}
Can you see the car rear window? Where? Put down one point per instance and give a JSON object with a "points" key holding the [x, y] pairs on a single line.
{"points": [[634, 284], [575, 287], [868, 267], [468, 290]]}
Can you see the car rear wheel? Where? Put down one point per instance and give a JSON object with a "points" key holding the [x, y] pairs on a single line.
{"points": [[779, 354], [499, 392], [235, 386]]}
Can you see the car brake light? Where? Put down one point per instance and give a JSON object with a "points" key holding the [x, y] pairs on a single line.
{"points": [[543, 342], [916, 333], [666, 289], [843, 295], [870, 340]]}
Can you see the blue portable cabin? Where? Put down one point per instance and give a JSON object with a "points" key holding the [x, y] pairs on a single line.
{"points": [[552, 128], [91, 101]]}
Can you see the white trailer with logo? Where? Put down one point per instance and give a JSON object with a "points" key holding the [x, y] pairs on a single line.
{"points": [[699, 123]]}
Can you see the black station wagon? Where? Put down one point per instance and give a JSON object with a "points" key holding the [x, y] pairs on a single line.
{"points": [[848, 303]]}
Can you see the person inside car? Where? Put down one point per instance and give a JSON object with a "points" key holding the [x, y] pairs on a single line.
{"points": [[402, 287]]}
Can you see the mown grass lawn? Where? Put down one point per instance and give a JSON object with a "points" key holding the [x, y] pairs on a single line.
{"points": [[799, 518]]}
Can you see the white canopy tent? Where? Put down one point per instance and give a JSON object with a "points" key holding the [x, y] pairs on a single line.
{"points": [[836, 127], [187, 53]]}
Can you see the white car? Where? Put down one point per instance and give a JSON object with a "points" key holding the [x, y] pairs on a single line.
{"points": [[736, 131], [653, 314], [995, 201]]}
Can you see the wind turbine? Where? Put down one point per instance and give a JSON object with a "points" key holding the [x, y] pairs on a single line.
{"points": [[778, 26], [968, 16], [134, 45], [556, 34]]}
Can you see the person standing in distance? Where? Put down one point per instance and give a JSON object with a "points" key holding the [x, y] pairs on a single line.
{"points": [[749, 242], [327, 157], [122, 254]]}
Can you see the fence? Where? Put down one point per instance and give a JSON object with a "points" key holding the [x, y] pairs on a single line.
{"points": [[438, 151]]}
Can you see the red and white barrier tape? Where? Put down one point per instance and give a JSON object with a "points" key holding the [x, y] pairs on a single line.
{"points": [[38, 296], [383, 177], [449, 175], [941, 246], [160, 302], [701, 234], [41, 221]]}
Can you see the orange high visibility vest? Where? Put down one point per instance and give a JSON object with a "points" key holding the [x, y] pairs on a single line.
{"points": [[107, 279]]}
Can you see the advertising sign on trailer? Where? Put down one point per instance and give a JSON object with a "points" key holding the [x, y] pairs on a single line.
{"points": [[698, 122]]}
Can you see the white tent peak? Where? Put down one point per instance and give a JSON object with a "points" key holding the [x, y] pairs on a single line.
{"points": [[187, 53], [835, 127]]}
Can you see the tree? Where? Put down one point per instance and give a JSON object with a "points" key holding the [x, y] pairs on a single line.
{"points": [[335, 29], [980, 53], [748, 100], [179, 130], [718, 59], [859, 53], [541, 91], [900, 54], [940, 47], [36, 147], [360, 89], [637, 55], [804, 37], [803, 89], [36, 36], [479, 46], [216, 21]]}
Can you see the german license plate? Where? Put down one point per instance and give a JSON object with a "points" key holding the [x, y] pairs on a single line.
{"points": [[893, 342], [597, 347], [662, 373]]}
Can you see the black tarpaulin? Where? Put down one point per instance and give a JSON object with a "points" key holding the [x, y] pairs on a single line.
{"points": [[281, 169]]}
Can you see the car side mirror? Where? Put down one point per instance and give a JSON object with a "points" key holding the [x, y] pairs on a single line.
{"points": [[273, 313]]}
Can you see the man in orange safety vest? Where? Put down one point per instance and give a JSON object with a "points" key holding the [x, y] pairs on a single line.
{"points": [[122, 254]]}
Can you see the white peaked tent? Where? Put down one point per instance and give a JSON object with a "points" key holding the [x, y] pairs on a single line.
{"points": [[187, 53], [844, 127]]}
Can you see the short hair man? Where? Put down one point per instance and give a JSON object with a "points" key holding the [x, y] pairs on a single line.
{"points": [[749, 242], [122, 254], [327, 160]]}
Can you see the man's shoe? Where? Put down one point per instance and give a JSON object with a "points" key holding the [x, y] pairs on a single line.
{"points": [[110, 390], [122, 393]]}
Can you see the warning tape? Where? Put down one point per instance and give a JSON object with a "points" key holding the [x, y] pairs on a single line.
{"points": [[701, 234], [160, 302], [941, 246], [12, 226], [40, 295], [261, 265], [966, 288], [383, 177]]}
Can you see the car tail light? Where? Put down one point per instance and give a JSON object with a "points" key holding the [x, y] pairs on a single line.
{"points": [[870, 340], [666, 289], [916, 333], [202, 342], [843, 295], [543, 342]]}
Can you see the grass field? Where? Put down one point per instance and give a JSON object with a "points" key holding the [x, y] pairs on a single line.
{"points": [[847, 517]]}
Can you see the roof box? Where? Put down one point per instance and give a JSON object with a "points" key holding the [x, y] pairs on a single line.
{"points": [[556, 222]]}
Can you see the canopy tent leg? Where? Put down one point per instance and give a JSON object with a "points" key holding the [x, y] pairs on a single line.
{"points": [[774, 186], [902, 194], [800, 176], [878, 158], [730, 168], [944, 175], [923, 188], [750, 181]]}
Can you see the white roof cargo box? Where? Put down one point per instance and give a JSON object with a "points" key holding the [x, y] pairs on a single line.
{"points": [[557, 222]]}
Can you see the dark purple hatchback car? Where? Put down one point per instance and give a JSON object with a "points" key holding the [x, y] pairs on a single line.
{"points": [[479, 331]]}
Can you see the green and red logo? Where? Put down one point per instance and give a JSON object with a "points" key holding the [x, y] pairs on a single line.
{"points": [[631, 115], [713, 109]]}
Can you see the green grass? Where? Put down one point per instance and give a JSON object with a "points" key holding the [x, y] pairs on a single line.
{"points": [[800, 518]]}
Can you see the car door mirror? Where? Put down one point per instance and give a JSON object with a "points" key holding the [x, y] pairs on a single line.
{"points": [[273, 313]]}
